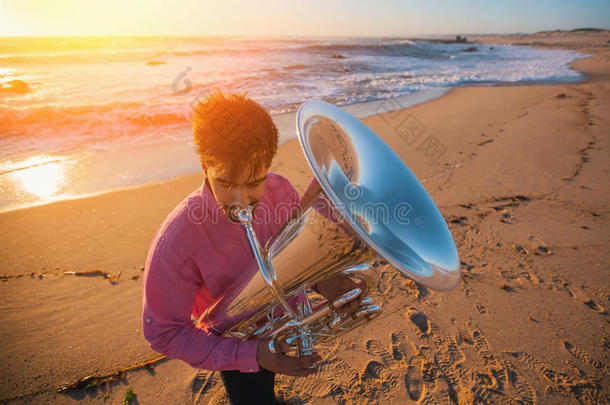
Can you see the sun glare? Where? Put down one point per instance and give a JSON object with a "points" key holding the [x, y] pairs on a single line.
{"points": [[42, 179]]}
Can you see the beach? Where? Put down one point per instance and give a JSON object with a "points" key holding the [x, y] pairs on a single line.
{"points": [[520, 174]]}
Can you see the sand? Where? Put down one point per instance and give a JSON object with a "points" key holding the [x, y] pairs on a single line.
{"points": [[521, 175]]}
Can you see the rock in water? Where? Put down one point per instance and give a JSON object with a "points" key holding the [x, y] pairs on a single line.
{"points": [[15, 86]]}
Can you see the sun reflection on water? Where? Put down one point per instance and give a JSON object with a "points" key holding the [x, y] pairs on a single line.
{"points": [[42, 176]]}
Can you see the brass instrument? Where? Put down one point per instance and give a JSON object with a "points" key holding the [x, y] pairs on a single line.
{"points": [[364, 204]]}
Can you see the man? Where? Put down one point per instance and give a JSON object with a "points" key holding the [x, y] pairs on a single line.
{"points": [[200, 250]]}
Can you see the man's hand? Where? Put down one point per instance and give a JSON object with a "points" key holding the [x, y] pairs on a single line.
{"points": [[335, 287], [282, 364]]}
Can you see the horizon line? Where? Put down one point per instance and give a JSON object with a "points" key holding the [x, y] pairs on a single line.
{"points": [[405, 36]]}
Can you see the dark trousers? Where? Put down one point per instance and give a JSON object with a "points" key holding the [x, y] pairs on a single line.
{"points": [[249, 388]]}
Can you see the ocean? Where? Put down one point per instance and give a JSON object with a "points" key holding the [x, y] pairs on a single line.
{"points": [[81, 116]]}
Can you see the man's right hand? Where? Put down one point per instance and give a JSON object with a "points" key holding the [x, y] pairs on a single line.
{"points": [[280, 363]]}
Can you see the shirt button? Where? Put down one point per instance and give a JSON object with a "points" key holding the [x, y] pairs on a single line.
{"points": [[251, 369], [148, 320]]}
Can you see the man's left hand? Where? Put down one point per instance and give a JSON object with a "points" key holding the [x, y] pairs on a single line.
{"points": [[335, 287]]}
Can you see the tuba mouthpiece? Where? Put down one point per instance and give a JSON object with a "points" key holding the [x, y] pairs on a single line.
{"points": [[243, 214]]}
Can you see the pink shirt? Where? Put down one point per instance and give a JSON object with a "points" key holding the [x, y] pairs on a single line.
{"points": [[194, 257]]}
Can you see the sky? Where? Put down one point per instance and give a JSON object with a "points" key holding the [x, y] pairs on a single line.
{"points": [[296, 17]]}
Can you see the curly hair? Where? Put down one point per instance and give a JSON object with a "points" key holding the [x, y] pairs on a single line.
{"points": [[233, 133]]}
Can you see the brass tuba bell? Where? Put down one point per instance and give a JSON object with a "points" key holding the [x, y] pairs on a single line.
{"points": [[363, 205]]}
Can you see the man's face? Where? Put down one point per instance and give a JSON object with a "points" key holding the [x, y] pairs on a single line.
{"points": [[236, 190]]}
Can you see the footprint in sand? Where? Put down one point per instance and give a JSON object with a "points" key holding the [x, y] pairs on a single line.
{"points": [[420, 320], [375, 380], [586, 298], [442, 391], [399, 346], [390, 281], [335, 379], [473, 296], [532, 277], [413, 379], [539, 247], [584, 357], [585, 389], [373, 370], [413, 364], [376, 349], [497, 381], [398, 359], [602, 295], [438, 392], [510, 275], [526, 392], [442, 373], [513, 275]]}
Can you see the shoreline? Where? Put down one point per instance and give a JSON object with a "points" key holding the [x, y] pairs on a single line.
{"points": [[521, 186], [183, 153], [78, 174], [286, 126]]}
